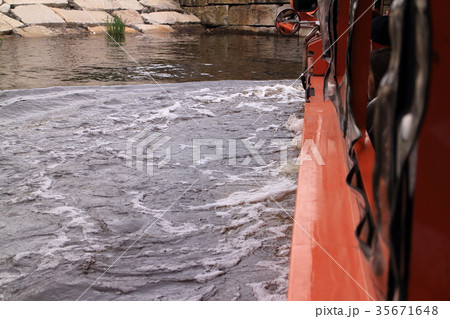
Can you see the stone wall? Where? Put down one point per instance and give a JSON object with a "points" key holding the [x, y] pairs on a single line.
{"points": [[243, 15], [31, 18]]}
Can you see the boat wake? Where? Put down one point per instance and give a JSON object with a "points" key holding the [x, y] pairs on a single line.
{"points": [[186, 190]]}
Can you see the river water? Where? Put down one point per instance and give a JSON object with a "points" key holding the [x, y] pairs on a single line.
{"points": [[181, 190]]}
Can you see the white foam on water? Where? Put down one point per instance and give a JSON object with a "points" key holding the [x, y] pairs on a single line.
{"points": [[235, 178], [7, 277], [273, 191], [38, 187], [167, 112], [258, 106], [181, 230], [294, 124], [140, 207], [59, 248], [208, 275], [245, 223], [272, 289], [270, 127], [208, 98], [76, 219], [75, 149], [279, 92], [201, 109], [297, 141]]}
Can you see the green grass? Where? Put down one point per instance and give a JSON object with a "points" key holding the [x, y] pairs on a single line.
{"points": [[116, 28]]}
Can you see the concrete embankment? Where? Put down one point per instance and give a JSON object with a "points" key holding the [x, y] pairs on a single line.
{"points": [[32, 18]]}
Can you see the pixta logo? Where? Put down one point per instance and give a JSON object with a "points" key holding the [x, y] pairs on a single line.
{"points": [[148, 150], [218, 147], [143, 148]]}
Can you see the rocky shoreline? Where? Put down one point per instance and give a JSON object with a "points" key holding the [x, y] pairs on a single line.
{"points": [[37, 18]]}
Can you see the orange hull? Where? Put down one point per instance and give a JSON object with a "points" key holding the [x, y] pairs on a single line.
{"points": [[326, 262]]}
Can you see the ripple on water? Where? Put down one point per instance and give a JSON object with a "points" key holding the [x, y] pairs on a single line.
{"points": [[210, 223]]}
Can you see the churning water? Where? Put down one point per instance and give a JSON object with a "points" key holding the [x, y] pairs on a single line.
{"points": [[178, 191]]}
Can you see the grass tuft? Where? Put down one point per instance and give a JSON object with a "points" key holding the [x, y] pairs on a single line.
{"points": [[116, 28]]}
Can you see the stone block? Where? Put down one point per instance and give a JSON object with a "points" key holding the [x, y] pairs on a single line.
{"points": [[37, 14], [253, 30], [172, 17], [162, 5], [284, 6], [211, 15], [269, 1], [193, 28], [7, 24], [70, 29], [81, 17], [106, 5], [194, 3], [34, 31], [148, 28], [95, 4], [48, 3], [253, 15], [130, 17], [4, 8], [222, 2], [99, 30], [129, 4]]}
